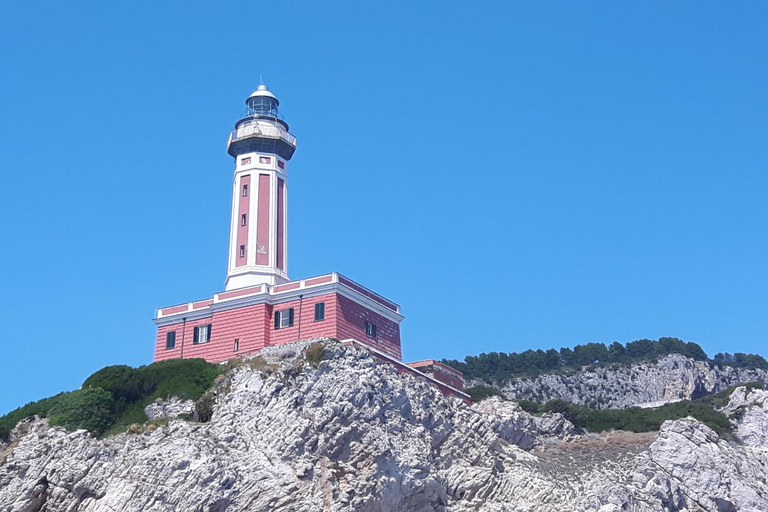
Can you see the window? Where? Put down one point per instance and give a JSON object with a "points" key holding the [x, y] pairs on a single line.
{"points": [[242, 251], [170, 340], [237, 345], [281, 164], [242, 219], [319, 311], [202, 334], [245, 190], [370, 329], [284, 318], [245, 161], [265, 160]]}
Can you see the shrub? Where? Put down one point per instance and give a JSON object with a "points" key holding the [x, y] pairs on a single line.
{"points": [[91, 409], [315, 353], [38, 408], [185, 378], [636, 419], [125, 383], [204, 407], [114, 397], [477, 393], [528, 406], [721, 398]]}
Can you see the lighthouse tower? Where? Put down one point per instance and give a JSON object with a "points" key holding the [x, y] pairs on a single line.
{"points": [[261, 146], [261, 307]]}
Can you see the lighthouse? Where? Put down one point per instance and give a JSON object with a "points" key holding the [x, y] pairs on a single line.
{"points": [[261, 145], [260, 306]]}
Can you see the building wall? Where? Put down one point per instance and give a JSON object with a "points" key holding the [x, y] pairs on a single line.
{"points": [[443, 376], [254, 327], [351, 318]]}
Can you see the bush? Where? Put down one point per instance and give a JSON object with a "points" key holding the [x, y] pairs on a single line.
{"points": [[39, 408], [204, 407], [114, 397], [636, 419], [91, 409], [477, 393], [721, 398], [185, 378], [123, 382], [528, 406], [315, 353]]}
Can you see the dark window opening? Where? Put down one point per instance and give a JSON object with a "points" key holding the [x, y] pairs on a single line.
{"points": [[319, 311], [370, 329], [245, 190], [202, 334], [242, 251], [283, 318], [242, 219], [170, 340], [237, 345]]}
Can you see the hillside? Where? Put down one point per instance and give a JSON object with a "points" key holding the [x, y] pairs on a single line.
{"points": [[342, 431], [641, 372]]}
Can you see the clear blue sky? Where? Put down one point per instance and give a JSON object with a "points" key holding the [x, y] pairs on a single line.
{"points": [[514, 175]]}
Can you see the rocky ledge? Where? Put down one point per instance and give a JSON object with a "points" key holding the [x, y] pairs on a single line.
{"points": [[351, 434], [672, 378]]}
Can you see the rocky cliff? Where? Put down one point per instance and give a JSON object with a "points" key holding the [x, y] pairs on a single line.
{"points": [[674, 377], [351, 434]]}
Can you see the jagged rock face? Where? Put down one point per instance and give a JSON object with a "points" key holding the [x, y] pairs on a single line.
{"points": [[351, 434], [172, 408], [516, 426], [748, 410], [674, 377]]}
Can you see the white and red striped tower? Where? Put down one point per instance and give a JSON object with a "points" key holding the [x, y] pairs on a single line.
{"points": [[262, 146]]}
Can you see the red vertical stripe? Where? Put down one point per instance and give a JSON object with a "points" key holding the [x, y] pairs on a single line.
{"points": [[242, 231], [280, 223], [262, 233]]}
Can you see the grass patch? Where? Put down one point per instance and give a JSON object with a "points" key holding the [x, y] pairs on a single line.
{"points": [[315, 353]]}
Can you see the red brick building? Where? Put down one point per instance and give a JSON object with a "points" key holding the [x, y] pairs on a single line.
{"points": [[260, 305]]}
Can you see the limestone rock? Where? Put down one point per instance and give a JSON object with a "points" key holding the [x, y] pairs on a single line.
{"points": [[673, 378], [171, 408], [351, 434]]}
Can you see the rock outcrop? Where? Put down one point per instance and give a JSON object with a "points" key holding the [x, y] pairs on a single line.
{"points": [[351, 434], [171, 408], [674, 377]]}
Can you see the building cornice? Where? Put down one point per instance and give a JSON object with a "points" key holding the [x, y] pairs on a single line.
{"points": [[277, 294]]}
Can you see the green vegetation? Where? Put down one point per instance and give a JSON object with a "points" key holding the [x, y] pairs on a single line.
{"points": [[740, 360], [636, 419], [720, 399], [477, 393], [114, 397], [500, 367]]}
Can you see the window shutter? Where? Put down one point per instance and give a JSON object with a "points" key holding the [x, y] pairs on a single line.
{"points": [[196, 335], [210, 330], [277, 319], [290, 317]]}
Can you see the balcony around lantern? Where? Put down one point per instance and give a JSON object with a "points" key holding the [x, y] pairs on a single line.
{"points": [[261, 127], [250, 130]]}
